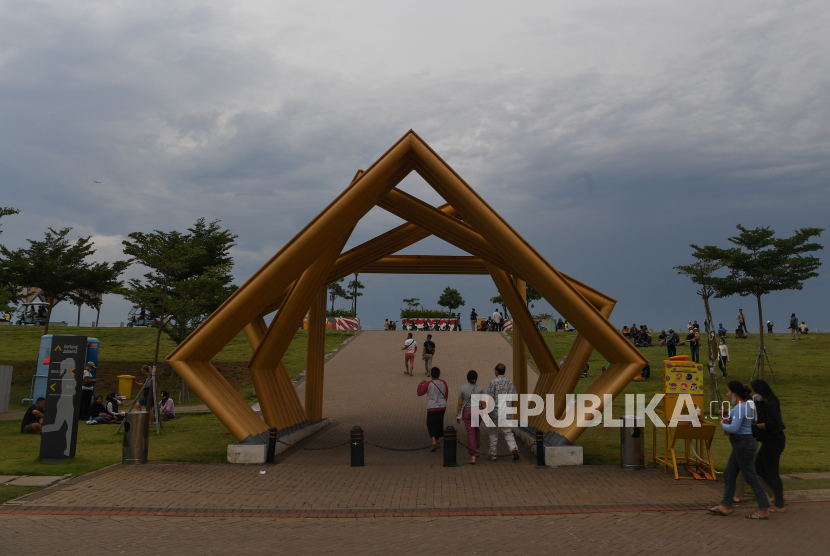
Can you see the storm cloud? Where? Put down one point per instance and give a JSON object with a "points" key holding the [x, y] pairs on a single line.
{"points": [[611, 135]]}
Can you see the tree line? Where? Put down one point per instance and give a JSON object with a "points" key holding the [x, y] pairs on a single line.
{"points": [[189, 274]]}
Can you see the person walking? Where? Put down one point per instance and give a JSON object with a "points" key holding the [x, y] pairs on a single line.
{"points": [[86, 391], [437, 392], [794, 327], [739, 427], [769, 431], [742, 321], [671, 342], [723, 357], [499, 388], [694, 344], [464, 413], [426, 355], [410, 346], [473, 320]]}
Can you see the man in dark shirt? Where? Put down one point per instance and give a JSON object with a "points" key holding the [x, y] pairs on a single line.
{"points": [[473, 320], [31, 420], [429, 351]]}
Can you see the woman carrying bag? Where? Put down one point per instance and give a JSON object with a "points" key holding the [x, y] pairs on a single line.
{"points": [[437, 392], [464, 411]]}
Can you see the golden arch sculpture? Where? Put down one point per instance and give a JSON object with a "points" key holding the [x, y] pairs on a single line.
{"points": [[293, 283]]}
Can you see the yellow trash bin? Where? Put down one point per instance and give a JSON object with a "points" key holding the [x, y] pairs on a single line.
{"points": [[125, 386]]}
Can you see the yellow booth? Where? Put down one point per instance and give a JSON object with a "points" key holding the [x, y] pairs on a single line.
{"points": [[682, 377]]}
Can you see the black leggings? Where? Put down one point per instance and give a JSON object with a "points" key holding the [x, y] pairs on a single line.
{"points": [[766, 465], [672, 350]]}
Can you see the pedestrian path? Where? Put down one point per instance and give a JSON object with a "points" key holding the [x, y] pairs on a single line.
{"points": [[365, 385], [401, 501]]}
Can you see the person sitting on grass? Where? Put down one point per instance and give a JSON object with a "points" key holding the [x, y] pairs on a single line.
{"points": [[98, 414], [31, 419], [626, 332], [112, 407], [661, 339], [739, 333], [721, 330], [167, 410]]}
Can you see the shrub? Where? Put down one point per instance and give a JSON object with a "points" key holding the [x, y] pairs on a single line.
{"points": [[341, 313], [423, 314]]}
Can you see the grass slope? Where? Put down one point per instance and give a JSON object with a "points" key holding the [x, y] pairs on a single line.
{"points": [[125, 350], [802, 371], [200, 438]]}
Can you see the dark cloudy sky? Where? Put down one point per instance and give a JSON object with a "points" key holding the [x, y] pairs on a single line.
{"points": [[610, 134]]}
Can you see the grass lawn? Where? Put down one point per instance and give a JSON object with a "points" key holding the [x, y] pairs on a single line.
{"points": [[125, 350], [802, 370], [10, 492], [193, 437]]}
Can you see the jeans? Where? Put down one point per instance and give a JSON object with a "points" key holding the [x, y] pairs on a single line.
{"points": [[766, 465], [742, 326], [741, 461], [473, 433], [722, 366], [494, 436], [695, 352]]}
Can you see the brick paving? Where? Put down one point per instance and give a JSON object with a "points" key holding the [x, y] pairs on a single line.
{"points": [[799, 531], [308, 501]]}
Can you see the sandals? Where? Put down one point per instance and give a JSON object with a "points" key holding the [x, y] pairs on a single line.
{"points": [[716, 511], [755, 516], [434, 447]]}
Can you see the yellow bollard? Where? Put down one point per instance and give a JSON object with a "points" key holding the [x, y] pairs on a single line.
{"points": [[125, 386]]}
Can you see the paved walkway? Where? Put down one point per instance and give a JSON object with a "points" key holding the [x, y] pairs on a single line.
{"points": [[800, 531], [407, 501]]}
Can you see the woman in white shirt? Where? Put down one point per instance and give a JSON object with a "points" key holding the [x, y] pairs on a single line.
{"points": [[723, 357]]}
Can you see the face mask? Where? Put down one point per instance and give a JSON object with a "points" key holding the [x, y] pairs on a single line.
{"points": [[758, 397]]}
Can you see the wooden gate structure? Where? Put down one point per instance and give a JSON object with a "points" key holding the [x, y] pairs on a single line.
{"points": [[293, 283]]}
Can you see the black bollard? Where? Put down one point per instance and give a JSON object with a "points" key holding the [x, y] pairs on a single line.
{"points": [[450, 445], [356, 441], [272, 445], [540, 448]]}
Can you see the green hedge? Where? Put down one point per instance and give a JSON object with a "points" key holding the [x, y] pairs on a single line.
{"points": [[424, 314], [340, 313]]}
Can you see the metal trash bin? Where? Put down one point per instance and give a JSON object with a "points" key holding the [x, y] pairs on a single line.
{"points": [[136, 437], [632, 442]]}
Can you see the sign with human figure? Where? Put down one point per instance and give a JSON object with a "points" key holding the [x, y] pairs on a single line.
{"points": [[63, 398]]}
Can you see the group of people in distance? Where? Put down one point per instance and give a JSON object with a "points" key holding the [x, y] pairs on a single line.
{"points": [[639, 335], [437, 392], [99, 411], [493, 323]]}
